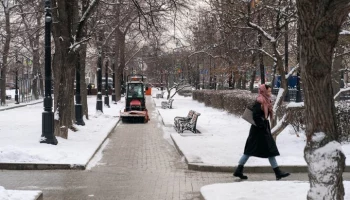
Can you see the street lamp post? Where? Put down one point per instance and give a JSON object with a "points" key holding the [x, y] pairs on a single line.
{"points": [[99, 82], [16, 89], [78, 107], [106, 84], [113, 87], [48, 135]]}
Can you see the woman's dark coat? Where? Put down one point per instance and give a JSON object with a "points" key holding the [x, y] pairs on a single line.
{"points": [[260, 142]]}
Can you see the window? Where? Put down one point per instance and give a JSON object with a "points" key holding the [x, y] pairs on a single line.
{"points": [[135, 91]]}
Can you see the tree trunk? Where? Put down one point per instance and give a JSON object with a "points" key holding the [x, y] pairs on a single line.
{"points": [[34, 41], [319, 32], [120, 70], [36, 62], [82, 57], [283, 88], [41, 80], [230, 81], [252, 80], [83, 86], [261, 55], [6, 50], [64, 66], [239, 81], [244, 80]]}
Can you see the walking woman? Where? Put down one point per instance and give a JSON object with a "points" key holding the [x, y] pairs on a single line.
{"points": [[260, 142]]}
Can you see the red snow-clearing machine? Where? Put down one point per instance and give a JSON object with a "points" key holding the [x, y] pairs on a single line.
{"points": [[135, 101]]}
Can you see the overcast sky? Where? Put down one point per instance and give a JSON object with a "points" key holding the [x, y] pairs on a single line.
{"points": [[183, 20]]}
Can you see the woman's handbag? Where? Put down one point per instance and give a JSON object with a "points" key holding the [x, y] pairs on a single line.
{"points": [[248, 115]]}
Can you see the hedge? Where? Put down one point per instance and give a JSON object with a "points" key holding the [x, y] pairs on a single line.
{"points": [[235, 102]]}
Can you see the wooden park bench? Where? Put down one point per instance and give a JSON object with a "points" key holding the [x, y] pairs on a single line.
{"points": [[191, 125], [167, 104]]}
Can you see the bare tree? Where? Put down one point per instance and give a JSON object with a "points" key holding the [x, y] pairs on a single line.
{"points": [[68, 36], [319, 26], [7, 7]]}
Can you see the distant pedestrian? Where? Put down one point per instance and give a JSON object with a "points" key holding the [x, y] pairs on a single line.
{"points": [[260, 142], [89, 89]]}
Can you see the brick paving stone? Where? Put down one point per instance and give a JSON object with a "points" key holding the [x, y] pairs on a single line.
{"points": [[138, 163]]}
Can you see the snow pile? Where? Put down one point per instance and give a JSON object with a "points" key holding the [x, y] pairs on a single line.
{"points": [[271, 190], [3, 194], [11, 153], [295, 105], [21, 131]]}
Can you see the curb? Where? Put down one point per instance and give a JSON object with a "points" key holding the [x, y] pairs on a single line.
{"points": [[179, 150], [155, 105], [30, 104], [41, 196], [38, 166], [201, 197], [20, 106], [10, 108], [249, 169]]}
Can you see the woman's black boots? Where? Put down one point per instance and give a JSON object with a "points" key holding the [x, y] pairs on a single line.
{"points": [[239, 172], [280, 174]]}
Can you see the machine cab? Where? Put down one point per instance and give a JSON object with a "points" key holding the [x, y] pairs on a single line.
{"points": [[135, 90], [135, 94]]}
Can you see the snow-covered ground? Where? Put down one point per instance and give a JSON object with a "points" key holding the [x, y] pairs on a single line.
{"points": [[223, 136], [271, 190], [20, 131], [11, 103], [18, 194]]}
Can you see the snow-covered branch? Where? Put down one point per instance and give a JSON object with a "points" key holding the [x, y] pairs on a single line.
{"points": [[264, 52], [127, 62], [261, 30], [84, 19], [341, 91], [279, 96], [342, 54], [89, 11], [292, 71], [76, 45]]}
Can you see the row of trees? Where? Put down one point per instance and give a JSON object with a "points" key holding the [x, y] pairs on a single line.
{"points": [[86, 33], [231, 37], [234, 38], [304, 34]]}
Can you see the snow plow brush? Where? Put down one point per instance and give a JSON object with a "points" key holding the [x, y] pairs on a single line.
{"points": [[134, 116]]}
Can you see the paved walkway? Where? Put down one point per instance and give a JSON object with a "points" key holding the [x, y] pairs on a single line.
{"points": [[138, 163]]}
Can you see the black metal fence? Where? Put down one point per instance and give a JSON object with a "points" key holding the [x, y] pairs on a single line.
{"points": [[25, 86]]}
